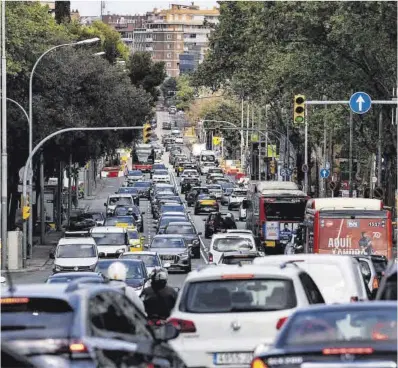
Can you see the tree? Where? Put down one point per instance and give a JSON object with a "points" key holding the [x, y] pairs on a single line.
{"points": [[169, 87], [145, 73], [62, 11], [185, 92]]}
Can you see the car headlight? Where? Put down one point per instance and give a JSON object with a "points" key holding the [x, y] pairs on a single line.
{"points": [[121, 250], [57, 268], [184, 255]]}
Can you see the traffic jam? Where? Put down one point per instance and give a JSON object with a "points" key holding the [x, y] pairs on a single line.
{"points": [[188, 265]]}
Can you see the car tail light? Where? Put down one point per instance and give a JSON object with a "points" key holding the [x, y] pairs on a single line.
{"points": [[281, 322], [354, 299], [258, 363], [338, 351], [78, 347], [184, 325], [210, 257]]}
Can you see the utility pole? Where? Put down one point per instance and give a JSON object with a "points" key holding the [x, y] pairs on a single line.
{"points": [[42, 211], [247, 127], [266, 142], [324, 150], [350, 153], [379, 152], [242, 139], [4, 176], [69, 188]]}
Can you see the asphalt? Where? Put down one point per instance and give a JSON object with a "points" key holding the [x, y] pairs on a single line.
{"points": [[96, 203]]}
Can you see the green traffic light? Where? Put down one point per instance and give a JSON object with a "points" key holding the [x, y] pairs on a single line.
{"points": [[299, 119]]}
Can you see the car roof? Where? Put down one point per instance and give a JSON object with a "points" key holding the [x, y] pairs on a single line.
{"points": [[148, 253], [231, 235], [241, 253], [123, 260], [107, 229], [74, 274], [239, 231], [168, 236], [181, 223], [78, 240], [211, 272], [173, 213], [315, 258], [119, 195]]}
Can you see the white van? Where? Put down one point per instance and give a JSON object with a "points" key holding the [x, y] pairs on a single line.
{"points": [[75, 254], [111, 240], [118, 199], [338, 277]]}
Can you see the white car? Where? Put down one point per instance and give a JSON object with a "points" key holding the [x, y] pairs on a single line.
{"points": [[216, 190], [236, 198], [161, 176], [242, 212], [225, 312], [176, 132], [338, 277], [75, 254], [118, 199], [111, 240], [205, 166], [179, 140], [189, 173], [229, 242], [135, 175], [151, 259]]}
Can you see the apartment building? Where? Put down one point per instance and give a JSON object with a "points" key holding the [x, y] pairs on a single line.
{"points": [[179, 30]]}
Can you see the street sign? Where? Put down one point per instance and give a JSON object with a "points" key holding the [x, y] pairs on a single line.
{"points": [[30, 173], [324, 173], [327, 165], [378, 193], [360, 102], [374, 179], [304, 168], [332, 185]]}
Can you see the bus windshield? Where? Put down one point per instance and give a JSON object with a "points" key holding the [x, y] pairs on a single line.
{"points": [[208, 158], [284, 209], [358, 236]]}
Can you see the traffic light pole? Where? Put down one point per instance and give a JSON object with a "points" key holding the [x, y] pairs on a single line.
{"points": [[29, 160]]}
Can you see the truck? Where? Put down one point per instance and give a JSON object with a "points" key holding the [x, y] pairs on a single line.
{"points": [[143, 156]]}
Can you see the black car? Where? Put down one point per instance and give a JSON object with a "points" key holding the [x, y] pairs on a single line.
{"points": [[189, 182], [162, 223], [143, 188], [191, 196], [339, 335], [211, 226], [206, 203], [166, 125], [137, 274], [82, 222], [131, 211], [85, 325], [187, 230], [162, 200], [98, 217]]}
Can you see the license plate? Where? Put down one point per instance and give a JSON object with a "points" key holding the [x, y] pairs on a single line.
{"points": [[232, 358], [270, 243], [168, 258]]}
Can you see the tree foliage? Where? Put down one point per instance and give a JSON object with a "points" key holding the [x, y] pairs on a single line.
{"points": [[62, 11], [168, 87], [145, 73], [185, 92]]}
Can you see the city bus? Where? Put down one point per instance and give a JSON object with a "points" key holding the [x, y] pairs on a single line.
{"points": [[274, 211], [353, 226]]}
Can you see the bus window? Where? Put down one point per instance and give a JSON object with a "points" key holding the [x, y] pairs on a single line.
{"points": [[285, 211]]}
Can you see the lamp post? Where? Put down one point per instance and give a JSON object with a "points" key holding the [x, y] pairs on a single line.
{"points": [[29, 160], [84, 42]]}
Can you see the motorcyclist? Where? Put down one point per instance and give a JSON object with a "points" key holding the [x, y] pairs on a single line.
{"points": [[117, 273], [159, 299], [229, 222]]}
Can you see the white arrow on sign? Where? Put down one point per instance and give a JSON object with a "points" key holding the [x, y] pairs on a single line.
{"points": [[360, 101]]}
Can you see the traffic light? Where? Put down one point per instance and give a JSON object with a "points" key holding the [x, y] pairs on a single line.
{"points": [[147, 133], [26, 209], [299, 110]]}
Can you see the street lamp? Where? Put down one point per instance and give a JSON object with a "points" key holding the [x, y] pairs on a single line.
{"points": [[78, 43], [29, 161]]}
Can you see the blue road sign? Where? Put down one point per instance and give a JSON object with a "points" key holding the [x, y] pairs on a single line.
{"points": [[360, 102], [324, 173]]}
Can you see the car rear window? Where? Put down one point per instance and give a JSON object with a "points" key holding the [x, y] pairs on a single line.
{"points": [[237, 260], [239, 295], [232, 244], [21, 313], [331, 327]]}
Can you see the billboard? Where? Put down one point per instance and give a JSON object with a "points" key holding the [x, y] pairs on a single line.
{"points": [[363, 236]]}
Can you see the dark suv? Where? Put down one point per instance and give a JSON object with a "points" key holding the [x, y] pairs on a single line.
{"points": [[81, 324]]}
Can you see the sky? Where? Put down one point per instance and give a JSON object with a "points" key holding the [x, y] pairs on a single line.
{"points": [[131, 7]]}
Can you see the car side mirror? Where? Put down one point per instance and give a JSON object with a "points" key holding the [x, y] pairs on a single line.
{"points": [[166, 332], [52, 255], [166, 265]]}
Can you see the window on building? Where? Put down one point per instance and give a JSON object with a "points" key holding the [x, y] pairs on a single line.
{"points": [[168, 46], [178, 46], [154, 37], [169, 36], [168, 55], [192, 35], [168, 65], [178, 37]]}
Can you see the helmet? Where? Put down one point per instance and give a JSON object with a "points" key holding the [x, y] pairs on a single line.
{"points": [[117, 271], [158, 278], [229, 215]]}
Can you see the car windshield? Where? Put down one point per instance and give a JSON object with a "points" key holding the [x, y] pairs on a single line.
{"points": [[149, 259], [240, 193], [232, 244], [142, 184], [362, 325], [133, 235], [243, 295], [180, 229], [113, 221], [172, 208], [166, 220], [215, 187], [134, 270], [160, 172], [67, 279], [120, 201], [135, 173], [109, 238], [76, 251], [159, 167], [46, 314], [167, 243]]}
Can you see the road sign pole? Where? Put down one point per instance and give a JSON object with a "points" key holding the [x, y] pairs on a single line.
{"points": [[350, 153], [306, 149]]}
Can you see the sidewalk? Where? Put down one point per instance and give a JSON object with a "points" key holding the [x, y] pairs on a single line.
{"points": [[40, 259]]}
